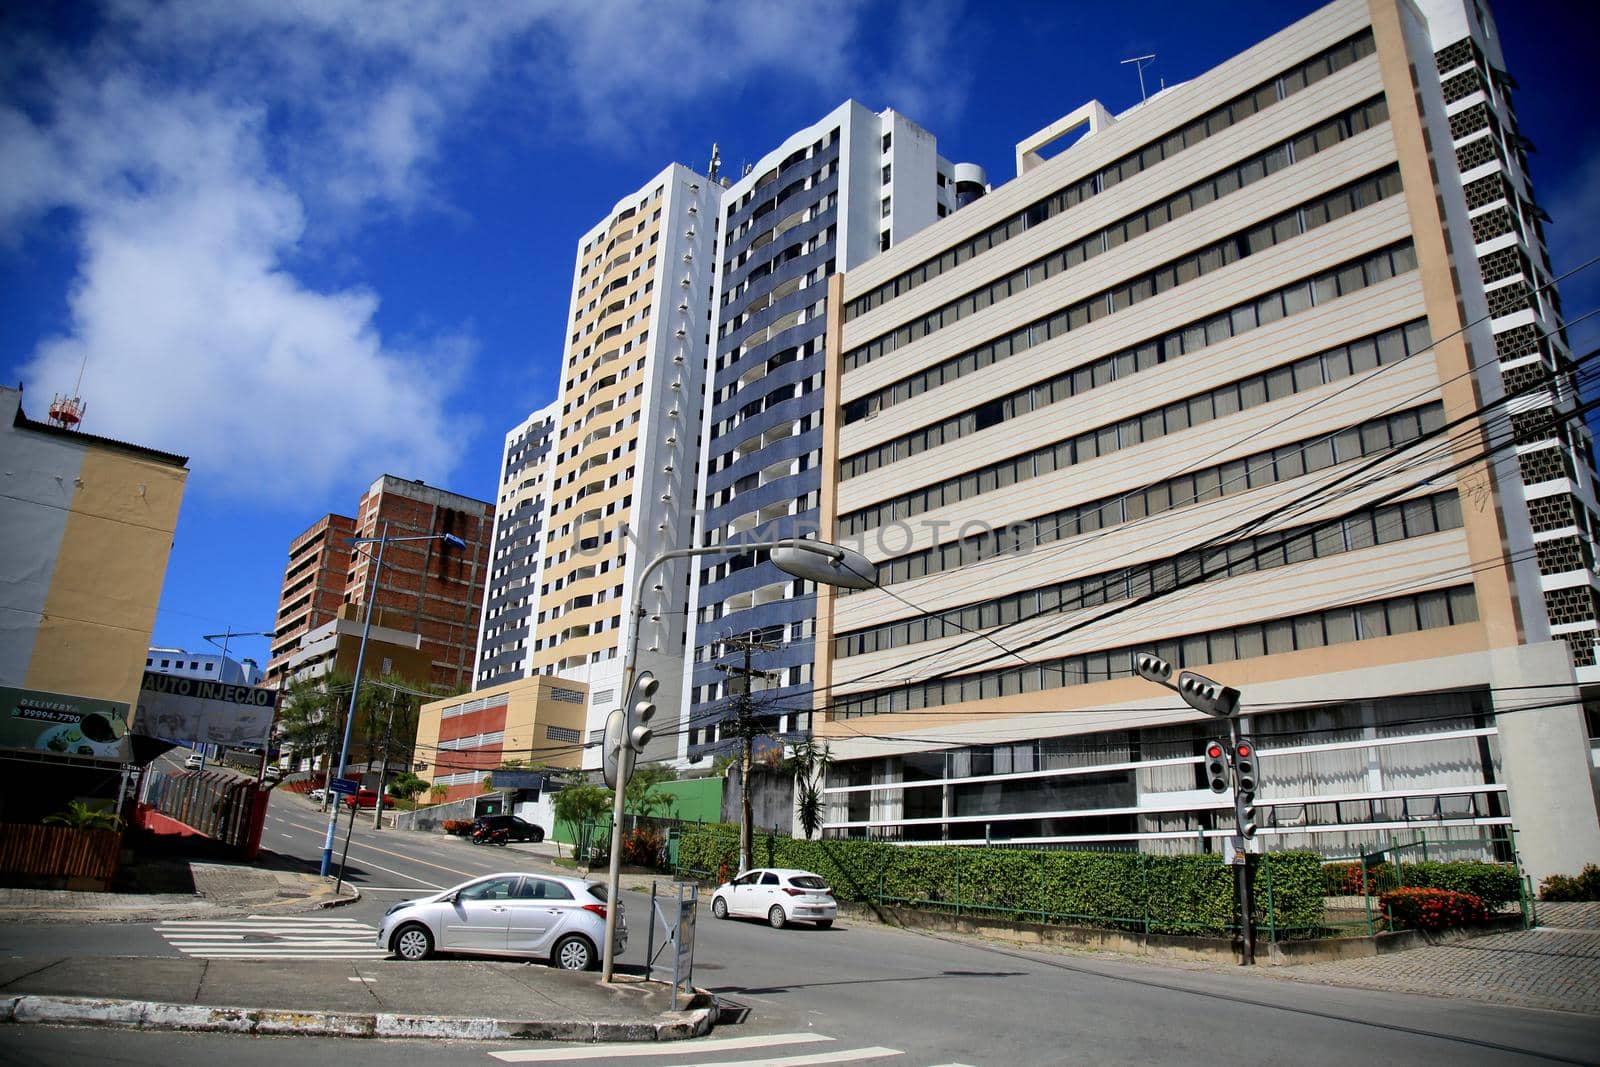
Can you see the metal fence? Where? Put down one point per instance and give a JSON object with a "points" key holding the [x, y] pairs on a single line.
{"points": [[1354, 886], [216, 803]]}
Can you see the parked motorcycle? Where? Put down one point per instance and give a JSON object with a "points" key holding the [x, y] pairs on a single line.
{"points": [[485, 835]]}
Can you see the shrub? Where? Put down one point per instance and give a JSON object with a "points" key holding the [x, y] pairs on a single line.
{"points": [[1344, 879], [1119, 890], [1493, 883], [643, 847], [1413, 908], [1562, 887]]}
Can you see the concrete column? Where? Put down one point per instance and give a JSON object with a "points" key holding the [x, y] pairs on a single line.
{"points": [[1544, 755]]}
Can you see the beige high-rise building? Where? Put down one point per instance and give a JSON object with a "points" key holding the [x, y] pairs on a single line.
{"points": [[1265, 376], [623, 476]]}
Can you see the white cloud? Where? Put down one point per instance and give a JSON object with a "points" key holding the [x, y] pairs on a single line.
{"points": [[202, 149]]}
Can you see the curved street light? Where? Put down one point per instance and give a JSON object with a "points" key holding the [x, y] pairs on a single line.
{"points": [[817, 561]]}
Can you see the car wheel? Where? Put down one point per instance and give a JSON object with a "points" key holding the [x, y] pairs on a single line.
{"points": [[573, 954], [823, 924], [719, 908], [537, 835], [777, 918], [412, 943]]}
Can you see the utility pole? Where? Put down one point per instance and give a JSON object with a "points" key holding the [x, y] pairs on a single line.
{"points": [[383, 771], [746, 728]]}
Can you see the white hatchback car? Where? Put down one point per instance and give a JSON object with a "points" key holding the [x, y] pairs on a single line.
{"points": [[512, 914], [780, 895]]}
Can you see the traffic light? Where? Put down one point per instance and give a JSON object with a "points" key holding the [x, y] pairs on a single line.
{"points": [[1203, 694], [1150, 666], [1244, 762], [1217, 766], [641, 709], [1244, 765]]}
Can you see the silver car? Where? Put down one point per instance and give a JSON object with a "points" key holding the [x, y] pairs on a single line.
{"points": [[513, 914]]}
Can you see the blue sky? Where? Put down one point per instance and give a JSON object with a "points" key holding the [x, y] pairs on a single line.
{"points": [[308, 242]]}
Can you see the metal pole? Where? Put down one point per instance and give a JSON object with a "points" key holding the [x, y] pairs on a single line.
{"points": [[349, 832], [355, 690], [1247, 930]]}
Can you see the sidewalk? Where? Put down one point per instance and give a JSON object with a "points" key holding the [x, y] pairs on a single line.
{"points": [[344, 998], [189, 890], [453, 999]]}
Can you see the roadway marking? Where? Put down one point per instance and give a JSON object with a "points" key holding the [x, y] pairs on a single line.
{"points": [[849, 1055], [597, 1052]]}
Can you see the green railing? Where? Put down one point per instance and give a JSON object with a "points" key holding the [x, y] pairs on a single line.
{"points": [[1485, 865]]}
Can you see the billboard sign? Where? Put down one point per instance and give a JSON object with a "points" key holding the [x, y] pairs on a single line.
{"points": [[64, 724], [198, 709]]}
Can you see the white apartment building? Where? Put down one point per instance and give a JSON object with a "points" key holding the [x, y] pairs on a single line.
{"points": [[622, 477], [511, 595], [1258, 375], [830, 197]]}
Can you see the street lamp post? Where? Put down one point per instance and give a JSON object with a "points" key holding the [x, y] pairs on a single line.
{"points": [[383, 540], [817, 561]]}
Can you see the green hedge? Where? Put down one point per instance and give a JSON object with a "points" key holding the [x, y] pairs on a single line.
{"points": [[1493, 883], [1119, 890]]}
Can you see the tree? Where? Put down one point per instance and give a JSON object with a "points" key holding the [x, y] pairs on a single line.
{"points": [[407, 785], [580, 807], [641, 795], [810, 764]]}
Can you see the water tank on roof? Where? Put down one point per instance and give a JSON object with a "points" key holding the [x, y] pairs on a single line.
{"points": [[972, 181]]}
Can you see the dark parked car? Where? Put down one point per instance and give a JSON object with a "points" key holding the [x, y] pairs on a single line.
{"points": [[520, 829]]}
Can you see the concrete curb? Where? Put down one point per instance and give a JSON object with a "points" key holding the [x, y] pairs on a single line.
{"points": [[339, 902], [152, 1015]]}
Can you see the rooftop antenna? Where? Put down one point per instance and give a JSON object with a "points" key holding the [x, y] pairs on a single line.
{"points": [[67, 411], [1142, 62], [716, 162]]}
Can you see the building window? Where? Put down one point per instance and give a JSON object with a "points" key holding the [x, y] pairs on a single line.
{"points": [[888, 139], [887, 169], [886, 207], [883, 241]]}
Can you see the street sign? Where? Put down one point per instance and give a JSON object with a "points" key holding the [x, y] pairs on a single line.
{"points": [[344, 785]]}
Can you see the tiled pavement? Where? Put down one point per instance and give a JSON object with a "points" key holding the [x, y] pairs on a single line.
{"points": [[1556, 965]]}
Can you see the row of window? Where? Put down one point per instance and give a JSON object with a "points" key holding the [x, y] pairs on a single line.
{"points": [[1285, 227], [1236, 476], [1338, 363], [1208, 125], [1170, 209], [1366, 528], [1317, 629], [1184, 341]]}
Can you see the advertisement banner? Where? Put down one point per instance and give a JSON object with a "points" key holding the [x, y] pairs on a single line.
{"points": [[198, 709], [64, 724]]}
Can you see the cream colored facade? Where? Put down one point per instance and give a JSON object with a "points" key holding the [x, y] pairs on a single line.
{"points": [[537, 722], [622, 488], [1200, 384], [87, 526]]}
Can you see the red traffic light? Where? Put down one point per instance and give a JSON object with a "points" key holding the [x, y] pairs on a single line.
{"points": [[1214, 751], [1246, 750]]}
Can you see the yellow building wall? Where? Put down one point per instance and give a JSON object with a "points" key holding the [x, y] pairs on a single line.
{"points": [[106, 585]]}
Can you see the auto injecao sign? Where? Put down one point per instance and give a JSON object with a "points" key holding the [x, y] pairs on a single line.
{"points": [[198, 709], [64, 724]]}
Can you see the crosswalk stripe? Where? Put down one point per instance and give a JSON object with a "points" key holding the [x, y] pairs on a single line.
{"points": [[598, 1052], [844, 1055], [273, 937]]}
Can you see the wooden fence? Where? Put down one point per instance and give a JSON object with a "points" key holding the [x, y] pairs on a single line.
{"points": [[42, 852]]}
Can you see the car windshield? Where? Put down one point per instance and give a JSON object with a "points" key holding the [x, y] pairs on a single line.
{"points": [[808, 881]]}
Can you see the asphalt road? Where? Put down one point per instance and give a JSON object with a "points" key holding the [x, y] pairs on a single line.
{"points": [[865, 993]]}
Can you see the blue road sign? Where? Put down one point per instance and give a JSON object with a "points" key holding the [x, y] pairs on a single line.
{"points": [[344, 785]]}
